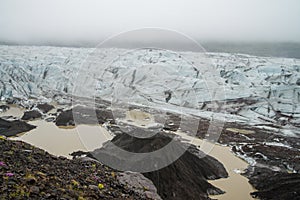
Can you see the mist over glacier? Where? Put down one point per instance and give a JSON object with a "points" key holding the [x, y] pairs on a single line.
{"points": [[78, 22]]}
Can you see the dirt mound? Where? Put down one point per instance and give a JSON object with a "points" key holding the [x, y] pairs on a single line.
{"points": [[186, 178], [83, 115], [45, 108], [32, 114], [12, 128], [274, 185]]}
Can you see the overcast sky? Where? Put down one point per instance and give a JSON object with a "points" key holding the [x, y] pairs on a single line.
{"points": [[33, 21]]}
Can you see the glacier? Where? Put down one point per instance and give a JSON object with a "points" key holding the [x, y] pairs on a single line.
{"points": [[261, 91]]}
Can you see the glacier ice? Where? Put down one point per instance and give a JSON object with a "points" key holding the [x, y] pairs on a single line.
{"points": [[259, 89]]}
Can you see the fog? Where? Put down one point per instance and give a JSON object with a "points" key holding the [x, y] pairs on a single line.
{"points": [[90, 21]]}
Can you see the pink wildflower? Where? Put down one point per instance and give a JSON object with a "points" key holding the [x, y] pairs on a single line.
{"points": [[9, 174]]}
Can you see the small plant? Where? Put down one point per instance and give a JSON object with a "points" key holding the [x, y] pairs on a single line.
{"points": [[9, 174], [100, 186], [75, 183]]}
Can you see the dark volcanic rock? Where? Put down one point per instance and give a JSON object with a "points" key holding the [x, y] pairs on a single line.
{"points": [[32, 114], [274, 185], [275, 155], [31, 173], [268, 148], [84, 115], [185, 178], [45, 108], [269, 155], [4, 108], [140, 184], [191, 171], [65, 118], [12, 128], [12, 100], [172, 122]]}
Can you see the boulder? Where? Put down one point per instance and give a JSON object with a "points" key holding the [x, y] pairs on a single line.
{"points": [[32, 114], [140, 184], [45, 108]]}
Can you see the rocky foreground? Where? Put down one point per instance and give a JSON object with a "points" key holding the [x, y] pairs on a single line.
{"points": [[27, 172]]}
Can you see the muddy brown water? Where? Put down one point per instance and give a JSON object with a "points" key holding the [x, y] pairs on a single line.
{"points": [[236, 186], [63, 141], [60, 141], [14, 111]]}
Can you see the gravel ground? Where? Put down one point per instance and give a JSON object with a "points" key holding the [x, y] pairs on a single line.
{"points": [[27, 172]]}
